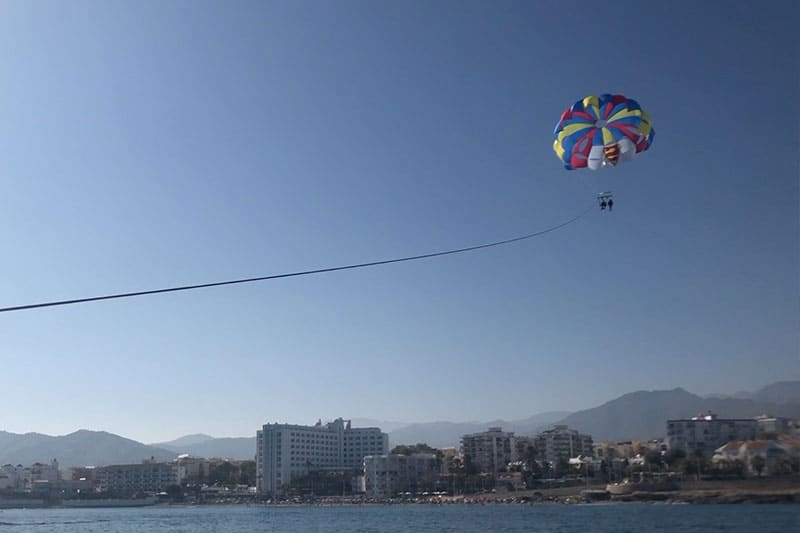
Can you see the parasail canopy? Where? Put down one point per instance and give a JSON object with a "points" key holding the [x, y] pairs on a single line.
{"points": [[602, 130]]}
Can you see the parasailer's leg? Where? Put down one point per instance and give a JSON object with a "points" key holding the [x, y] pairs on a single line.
{"points": [[610, 204]]}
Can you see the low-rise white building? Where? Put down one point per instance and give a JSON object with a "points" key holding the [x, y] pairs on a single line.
{"points": [[192, 470], [774, 456], [147, 477], [45, 472], [10, 476], [582, 463], [628, 449], [22, 478], [509, 481], [7, 482], [387, 475]]}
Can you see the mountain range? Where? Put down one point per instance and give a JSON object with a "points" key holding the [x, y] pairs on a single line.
{"points": [[436, 434], [448, 434], [199, 445], [781, 392], [636, 415], [643, 414], [81, 448]]}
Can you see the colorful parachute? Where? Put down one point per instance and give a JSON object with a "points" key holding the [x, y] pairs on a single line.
{"points": [[601, 130]]}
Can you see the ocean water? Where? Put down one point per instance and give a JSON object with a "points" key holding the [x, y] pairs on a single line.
{"points": [[612, 518]]}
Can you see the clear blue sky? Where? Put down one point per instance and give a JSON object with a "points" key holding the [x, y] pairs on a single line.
{"points": [[145, 144]]}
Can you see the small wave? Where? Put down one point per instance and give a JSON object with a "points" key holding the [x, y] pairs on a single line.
{"points": [[55, 523]]}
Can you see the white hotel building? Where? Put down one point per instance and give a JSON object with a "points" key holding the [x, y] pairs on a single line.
{"points": [[287, 451]]}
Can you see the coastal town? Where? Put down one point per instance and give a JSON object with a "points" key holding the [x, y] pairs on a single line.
{"points": [[701, 458], [428, 266]]}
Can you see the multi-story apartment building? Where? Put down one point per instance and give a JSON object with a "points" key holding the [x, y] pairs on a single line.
{"points": [[387, 475], [706, 433], [775, 425], [561, 442], [9, 477], [147, 477], [491, 450], [522, 446], [286, 451], [22, 478], [192, 470]]}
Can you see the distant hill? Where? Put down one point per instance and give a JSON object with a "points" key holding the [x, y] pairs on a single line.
{"points": [[534, 424], [385, 425], [238, 448], [448, 434], [437, 434], [80, 448], [643, 414], [637, 415], [186, 440], [782, 392]]}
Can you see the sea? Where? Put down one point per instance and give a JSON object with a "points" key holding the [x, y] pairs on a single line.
{"points": [[599, 518]]}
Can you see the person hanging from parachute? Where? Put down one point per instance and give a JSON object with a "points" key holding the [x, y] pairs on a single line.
{"points": [[598, 131], [606, 201]]}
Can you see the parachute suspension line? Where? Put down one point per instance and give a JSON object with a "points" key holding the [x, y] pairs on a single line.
{"points": [[299, 273]]}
